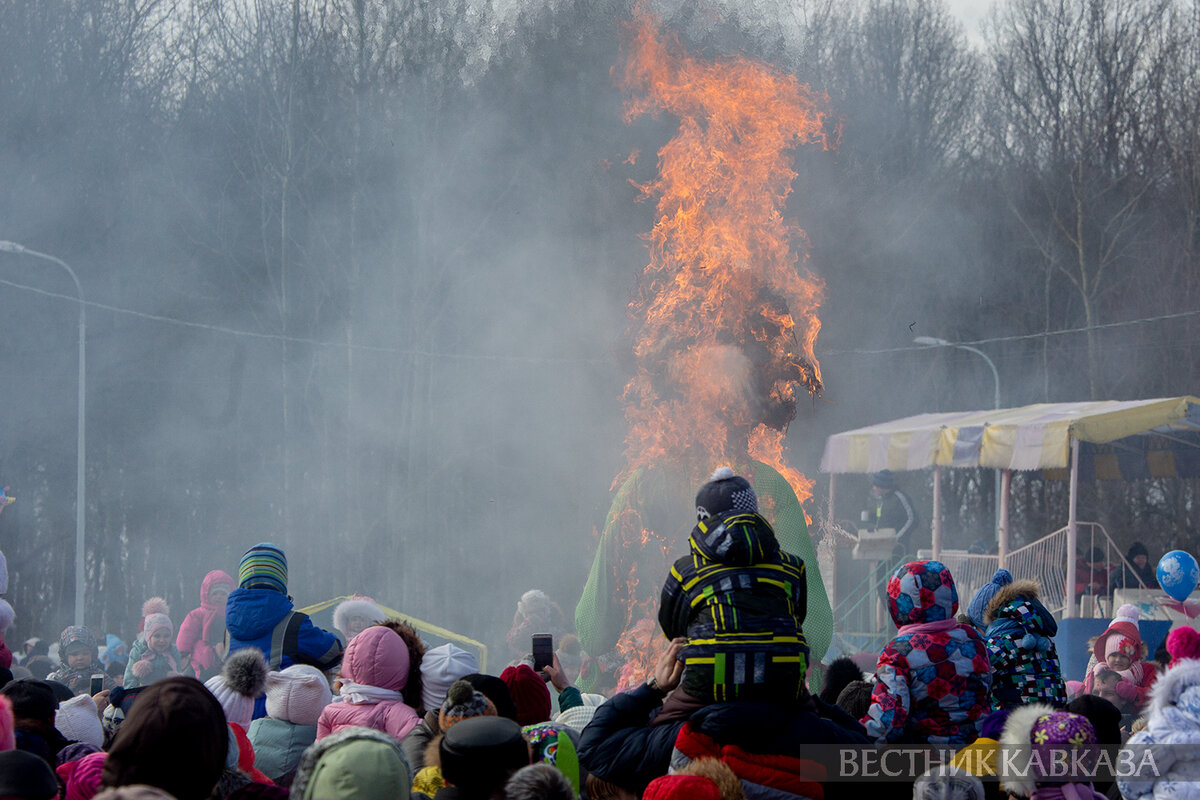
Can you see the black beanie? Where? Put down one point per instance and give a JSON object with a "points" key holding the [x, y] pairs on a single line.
{"points": [[26, 776], [32, 699], [62, 692], [1104, 716], [480, 753], [725, 492], [497, 691]]}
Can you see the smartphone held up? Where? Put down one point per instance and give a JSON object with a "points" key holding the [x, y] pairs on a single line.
{"points": [[543, 651]]}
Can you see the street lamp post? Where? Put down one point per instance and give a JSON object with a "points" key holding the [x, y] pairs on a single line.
{"points": [[81, 423], [931, 341]]}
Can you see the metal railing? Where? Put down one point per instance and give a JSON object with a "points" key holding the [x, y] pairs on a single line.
{"points": [[970, 571], [1099, 603], [860, 622], [1045, 561], [858, 626]]}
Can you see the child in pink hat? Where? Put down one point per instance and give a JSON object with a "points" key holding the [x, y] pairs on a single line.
{"points": [[153, 655], [1120, 650]]}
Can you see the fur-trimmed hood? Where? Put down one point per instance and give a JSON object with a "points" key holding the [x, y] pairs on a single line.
{"points": [[347, 764], [1017, 590], [1016, 735], [1177, 691], [356, 606], [1019, 603]]}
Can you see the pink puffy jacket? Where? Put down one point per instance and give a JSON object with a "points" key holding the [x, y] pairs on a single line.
{"points": [[376, 657], [204, 627]]}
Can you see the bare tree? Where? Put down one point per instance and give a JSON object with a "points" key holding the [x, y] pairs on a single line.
{"points": [[1072, 82]]}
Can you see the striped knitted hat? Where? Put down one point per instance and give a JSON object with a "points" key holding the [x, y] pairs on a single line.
{"points": [[463, 702], [263, 567]]}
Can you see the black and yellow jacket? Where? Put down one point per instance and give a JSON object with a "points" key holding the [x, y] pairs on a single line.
{"points": [[740, 601]]}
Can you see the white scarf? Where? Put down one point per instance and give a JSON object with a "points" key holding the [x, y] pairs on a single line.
{"points": [[360, 694]]}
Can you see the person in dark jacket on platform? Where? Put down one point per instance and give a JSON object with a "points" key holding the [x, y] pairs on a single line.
{"points": [[624, 747], [893, 509], [1139, 572], [260, 614]]}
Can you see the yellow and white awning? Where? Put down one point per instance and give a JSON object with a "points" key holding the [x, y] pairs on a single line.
{"points": [[1030, 437]]}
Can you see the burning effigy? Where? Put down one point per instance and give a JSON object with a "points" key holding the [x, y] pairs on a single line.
{"points": [[723, 325]]}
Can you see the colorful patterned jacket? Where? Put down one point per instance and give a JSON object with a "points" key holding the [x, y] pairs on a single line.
{"points": [[934, 677], [740, 601], [1024, 661]]}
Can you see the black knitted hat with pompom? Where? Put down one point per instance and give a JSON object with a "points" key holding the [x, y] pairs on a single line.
{"points": [[725, 492]]}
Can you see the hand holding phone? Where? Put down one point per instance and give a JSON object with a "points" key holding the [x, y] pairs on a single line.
{"points": [[543, 651], [97, 685]]}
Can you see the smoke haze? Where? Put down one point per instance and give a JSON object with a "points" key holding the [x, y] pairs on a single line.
{"points": [[358, 282]]}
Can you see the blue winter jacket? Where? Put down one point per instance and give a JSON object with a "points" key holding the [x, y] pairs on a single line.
{"points": [[264, 618]]}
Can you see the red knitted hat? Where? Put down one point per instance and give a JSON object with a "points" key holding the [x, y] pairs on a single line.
{"points": [[681, 787], [1124, 625], [529, 693], [1183, 643]]}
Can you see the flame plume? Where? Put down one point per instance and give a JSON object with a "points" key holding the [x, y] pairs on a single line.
{"points": [[726, 314]]}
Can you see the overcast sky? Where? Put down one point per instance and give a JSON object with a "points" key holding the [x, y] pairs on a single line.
{"points": [[971, 12]]}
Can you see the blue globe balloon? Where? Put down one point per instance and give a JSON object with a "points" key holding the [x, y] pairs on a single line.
{"points": [[1178, 574]]}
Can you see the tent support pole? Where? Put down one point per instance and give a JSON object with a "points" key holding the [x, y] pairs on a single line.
{"points": [[935, 519], [1002, 543], [1069, 607]]}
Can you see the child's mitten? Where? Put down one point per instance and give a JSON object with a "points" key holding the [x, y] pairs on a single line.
{"points": [[1126, 691]]}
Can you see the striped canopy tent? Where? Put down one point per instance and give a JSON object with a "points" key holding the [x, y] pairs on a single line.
{"points": [[1119, 440]]}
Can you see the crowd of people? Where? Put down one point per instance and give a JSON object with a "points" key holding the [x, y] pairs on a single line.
{"points": [[248, 698]]}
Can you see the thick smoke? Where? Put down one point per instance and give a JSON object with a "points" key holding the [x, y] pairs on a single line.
{"points": [[360, 285]]}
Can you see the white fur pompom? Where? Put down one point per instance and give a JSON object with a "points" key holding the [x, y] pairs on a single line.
{"points": [[1128, 613], [722, 474]]}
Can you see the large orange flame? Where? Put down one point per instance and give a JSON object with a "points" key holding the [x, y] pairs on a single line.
{"points": [[725, 318]]}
